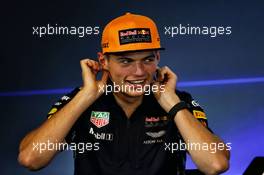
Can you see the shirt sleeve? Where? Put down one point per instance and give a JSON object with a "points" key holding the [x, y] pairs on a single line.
{"points": [[60, 104], [194, 107]]}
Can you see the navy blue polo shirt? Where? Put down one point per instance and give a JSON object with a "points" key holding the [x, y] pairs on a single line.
{"points": [[127, 146]]}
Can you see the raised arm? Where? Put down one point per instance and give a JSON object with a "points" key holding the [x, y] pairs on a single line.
{"points": [[59, 124]]}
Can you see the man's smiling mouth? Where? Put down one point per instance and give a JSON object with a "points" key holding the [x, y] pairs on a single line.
{"points": [[139, 82]]}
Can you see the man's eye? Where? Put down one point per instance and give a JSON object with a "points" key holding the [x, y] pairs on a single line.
{"points": [[125, 61], [149, 60]]}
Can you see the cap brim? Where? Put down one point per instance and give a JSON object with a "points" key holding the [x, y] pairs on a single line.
{"points": [[162, 48]]}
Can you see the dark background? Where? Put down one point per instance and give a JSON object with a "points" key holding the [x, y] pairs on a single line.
{"points": [[29, 63]]}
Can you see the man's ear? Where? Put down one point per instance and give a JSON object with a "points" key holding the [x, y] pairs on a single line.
{"points": [[103, 60], [157, 54]]}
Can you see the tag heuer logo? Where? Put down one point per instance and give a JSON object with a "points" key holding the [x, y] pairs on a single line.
{"points": [[99, 119]]}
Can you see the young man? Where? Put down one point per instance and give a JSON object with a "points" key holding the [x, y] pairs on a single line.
{"points": [[134, 128]]}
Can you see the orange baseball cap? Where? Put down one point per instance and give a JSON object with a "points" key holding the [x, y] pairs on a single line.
{"points": [[130, 32]]}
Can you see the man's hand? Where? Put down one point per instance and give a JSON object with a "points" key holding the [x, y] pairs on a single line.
{"points": [[191, 130], [166, 97], [90, 68]]}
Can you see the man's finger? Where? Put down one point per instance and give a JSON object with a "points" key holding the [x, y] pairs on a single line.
{"points": [[166, 72], [87, 73]]}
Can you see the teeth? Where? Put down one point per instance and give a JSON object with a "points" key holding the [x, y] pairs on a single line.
{"points": [[136, 81]]}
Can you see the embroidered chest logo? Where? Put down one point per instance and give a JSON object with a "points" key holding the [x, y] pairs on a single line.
{"points": [[100, 119], [155, 128], [155, 121]]}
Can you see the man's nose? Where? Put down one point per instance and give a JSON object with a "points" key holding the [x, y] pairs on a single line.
{"points": [[139, 69]]}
